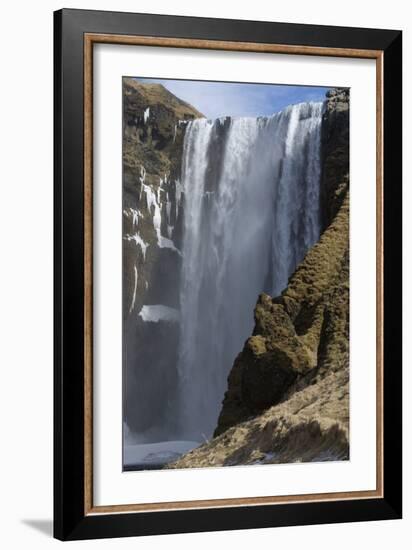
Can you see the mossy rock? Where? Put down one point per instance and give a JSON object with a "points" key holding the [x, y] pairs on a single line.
{"points": [[266, 378]]}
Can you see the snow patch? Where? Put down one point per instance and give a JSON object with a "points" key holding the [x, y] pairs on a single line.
{"points": [[152, 200], [143, 455], [139, 242], [142, 179], [150, 197], [327, 455], [134, 214], [154, 314], [167, 243]]}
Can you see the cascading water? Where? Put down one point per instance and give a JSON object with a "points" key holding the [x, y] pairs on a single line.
{"points": [[251, 212]]}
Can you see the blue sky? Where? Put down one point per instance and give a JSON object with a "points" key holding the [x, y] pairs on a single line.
{"points": [[215, 99]]}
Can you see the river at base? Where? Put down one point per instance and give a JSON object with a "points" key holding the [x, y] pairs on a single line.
{"points": [[154, 456]]}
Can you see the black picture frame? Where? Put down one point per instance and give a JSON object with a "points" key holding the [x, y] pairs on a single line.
{"points": [[71, 522]]}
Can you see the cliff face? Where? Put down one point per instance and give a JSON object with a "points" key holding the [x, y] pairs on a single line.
{"points": [[335, 152], [153, 132], [154, 123], [288, 395]]}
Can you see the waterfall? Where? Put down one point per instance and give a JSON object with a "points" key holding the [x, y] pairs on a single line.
{"points": [[251, 212]]}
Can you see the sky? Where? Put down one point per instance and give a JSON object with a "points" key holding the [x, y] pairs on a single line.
{"points": [[216, 99]]}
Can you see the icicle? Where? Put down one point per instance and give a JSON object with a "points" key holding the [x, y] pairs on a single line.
{"points": [[134, 290], [139, 242]]}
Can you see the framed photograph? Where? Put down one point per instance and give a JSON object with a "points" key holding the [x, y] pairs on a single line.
{"points": [[227, 274]]}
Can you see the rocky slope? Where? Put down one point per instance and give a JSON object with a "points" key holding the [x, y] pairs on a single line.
{"points": [[288, 390], [154, 122]]}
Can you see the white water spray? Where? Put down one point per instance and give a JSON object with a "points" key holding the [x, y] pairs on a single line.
{"points": [[251, 212]]}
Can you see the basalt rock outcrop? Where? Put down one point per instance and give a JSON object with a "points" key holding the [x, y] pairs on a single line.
{"points": [[288, 390], [335, 153]]}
